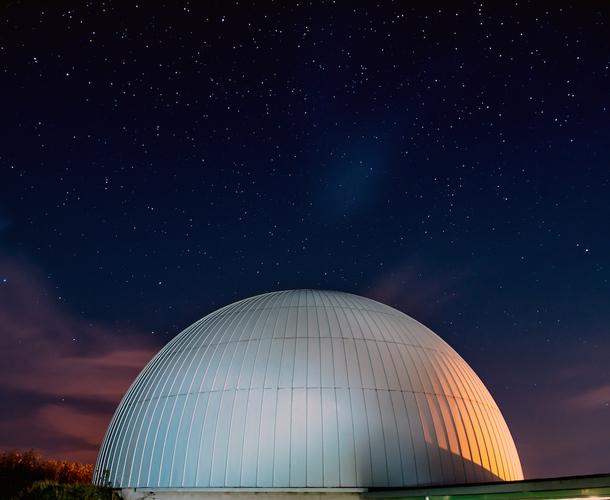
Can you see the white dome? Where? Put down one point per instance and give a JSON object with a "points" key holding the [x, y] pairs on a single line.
{"points": [[306, 388]]}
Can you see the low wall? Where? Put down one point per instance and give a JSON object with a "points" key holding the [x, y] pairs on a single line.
{"points": [[235, 494]]}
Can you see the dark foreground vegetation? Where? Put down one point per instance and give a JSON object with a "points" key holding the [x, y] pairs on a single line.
{"points": [[50, 490], [24, 476]]}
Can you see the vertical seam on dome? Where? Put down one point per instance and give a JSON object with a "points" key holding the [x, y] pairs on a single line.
{"points": [[410, 427], [421, 416], [518, 471], [453, 380], [400, 451], [475, 405], [471, 401], [514, 457], [422, 369], [285, 297], [160, 369], [437, 398], [185, 353], [506, 443], [368, 351], [449, 375], [245, 313], [501, 437], [232, 338], [383, 439], [306, 376], [109, 457], [343, 341], [184, 340], [356, 309], [368, 346], [364, 402], [274, 438], [232, 428], [319, 339], [426, 444], [500, 449], [334, 389], [200, 443], [351, 406], [292, 394], [491, 439], [373, 318], [402, 473], [318, 308], [126, 407], [221, 330], [278, 297], [199, 353], [290, 432], [449, 424], [216, 441], [260, 340], [257, 433], [179, 425], [147, 433], [150, 375], [457, 387], [389, 324], [353, 341], [336, 412], [491, 431], [154, 445], [131, 400]]}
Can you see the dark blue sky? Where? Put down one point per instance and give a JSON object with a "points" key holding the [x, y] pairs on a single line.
{"points": [[159, 161]]}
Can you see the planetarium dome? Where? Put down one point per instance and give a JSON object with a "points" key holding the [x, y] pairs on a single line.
{"points": [[306, 389]]}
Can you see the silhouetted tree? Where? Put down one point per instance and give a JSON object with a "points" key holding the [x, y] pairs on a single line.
{"points": [[19, 471]]}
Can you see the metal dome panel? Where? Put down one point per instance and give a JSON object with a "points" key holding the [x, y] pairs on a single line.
{"points": [[306, 388]]}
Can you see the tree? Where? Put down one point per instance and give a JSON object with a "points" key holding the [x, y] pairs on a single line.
{"points": [[19, 471]]}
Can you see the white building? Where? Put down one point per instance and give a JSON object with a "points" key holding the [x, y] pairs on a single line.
{"points": [[306, 393]]}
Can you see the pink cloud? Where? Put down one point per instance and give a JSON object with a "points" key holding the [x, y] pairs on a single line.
{"points": [[598, 398], [61, 376], [412, 286]]}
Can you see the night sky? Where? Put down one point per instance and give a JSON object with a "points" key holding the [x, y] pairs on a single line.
{"points": [[159, 161]]}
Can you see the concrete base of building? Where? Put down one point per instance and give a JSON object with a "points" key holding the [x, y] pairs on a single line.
{"points": [[241, 493]]}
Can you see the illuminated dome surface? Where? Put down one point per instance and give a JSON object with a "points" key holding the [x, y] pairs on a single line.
{"points": [[306, 388]]}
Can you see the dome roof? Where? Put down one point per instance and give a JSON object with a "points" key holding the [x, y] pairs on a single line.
{"points": [[306, 388]]}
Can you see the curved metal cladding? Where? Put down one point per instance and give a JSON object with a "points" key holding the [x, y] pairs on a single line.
{"points": [[306, 388]]}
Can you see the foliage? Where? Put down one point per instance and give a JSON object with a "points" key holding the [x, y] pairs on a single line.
{"points": [[51, 490], [19, 471]]}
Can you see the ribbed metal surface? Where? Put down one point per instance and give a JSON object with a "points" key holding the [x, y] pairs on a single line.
{"points": [[307, 388]]}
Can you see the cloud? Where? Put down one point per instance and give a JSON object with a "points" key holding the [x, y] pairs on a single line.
{"points": [[559, 412], [61, 376], [413, 287], [598, 398]]}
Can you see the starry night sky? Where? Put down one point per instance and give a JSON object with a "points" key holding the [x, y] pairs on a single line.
{"points": [[160, 161]]}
